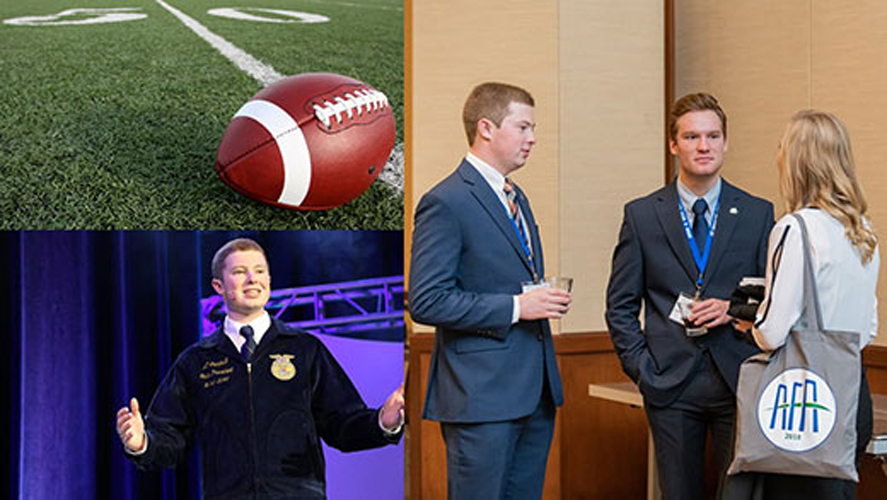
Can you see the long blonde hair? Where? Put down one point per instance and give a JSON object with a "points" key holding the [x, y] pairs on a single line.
{"points": [[816, 168]]}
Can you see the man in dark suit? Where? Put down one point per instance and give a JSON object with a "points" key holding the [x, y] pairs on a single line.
{"points": [[257, 396], [493, 382], [682, 251]]}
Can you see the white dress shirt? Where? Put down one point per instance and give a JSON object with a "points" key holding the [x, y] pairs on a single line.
{"points": [[260, 327], [497, 183], [845, 285], [688, 198]]}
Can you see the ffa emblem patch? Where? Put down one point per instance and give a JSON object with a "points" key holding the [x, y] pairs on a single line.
{"points": [[282, 368]]}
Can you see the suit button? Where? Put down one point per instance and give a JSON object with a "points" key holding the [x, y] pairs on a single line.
{"points": [[539, 337]]}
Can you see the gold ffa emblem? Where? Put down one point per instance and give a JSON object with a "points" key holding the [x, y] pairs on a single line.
{"points": [[282, 368]]}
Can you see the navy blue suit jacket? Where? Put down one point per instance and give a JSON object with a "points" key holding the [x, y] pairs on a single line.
{"points": [[653, 263], [467, 264]]}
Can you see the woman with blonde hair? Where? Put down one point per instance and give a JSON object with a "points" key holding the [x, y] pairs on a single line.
{"points": [[818, 181]]}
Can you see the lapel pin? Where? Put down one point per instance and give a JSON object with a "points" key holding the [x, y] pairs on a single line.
{"points": [[734, 210]]}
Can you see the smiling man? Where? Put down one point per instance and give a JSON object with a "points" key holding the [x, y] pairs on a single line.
{"points": [[257, 396], [682, 250], [493, 382]]}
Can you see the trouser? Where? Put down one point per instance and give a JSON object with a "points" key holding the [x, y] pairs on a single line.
{"points": [[706, 405], [499, 460]]}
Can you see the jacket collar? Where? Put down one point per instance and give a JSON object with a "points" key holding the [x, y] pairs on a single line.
{"points": [[219, 341]]}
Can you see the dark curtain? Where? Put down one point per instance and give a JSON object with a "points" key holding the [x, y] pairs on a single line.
{"points": [[94, 318]]}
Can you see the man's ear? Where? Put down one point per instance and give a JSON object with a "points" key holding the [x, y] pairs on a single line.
{"points": [[673, 146], [217, 286], [485, 128]]}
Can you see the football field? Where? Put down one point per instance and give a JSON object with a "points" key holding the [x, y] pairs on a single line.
{"points": [[111, 111]]}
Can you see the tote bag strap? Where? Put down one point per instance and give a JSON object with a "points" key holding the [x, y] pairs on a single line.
{"points": [[812, 309]]}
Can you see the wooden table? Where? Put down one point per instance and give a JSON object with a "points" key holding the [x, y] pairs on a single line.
{"points": [[878, 445], [627, 393]]}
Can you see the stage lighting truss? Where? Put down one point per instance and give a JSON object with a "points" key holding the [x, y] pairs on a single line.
{"points": [[353, 308]]}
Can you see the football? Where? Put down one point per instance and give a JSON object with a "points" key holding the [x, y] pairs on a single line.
{"points": [[308, 142]]}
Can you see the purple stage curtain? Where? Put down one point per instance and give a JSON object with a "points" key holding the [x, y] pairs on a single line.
{"points": [[94, 318]]}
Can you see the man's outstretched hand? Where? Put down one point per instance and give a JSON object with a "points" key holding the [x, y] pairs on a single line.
{"points": [[131, 427]]}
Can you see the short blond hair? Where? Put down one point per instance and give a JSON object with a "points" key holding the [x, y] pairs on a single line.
{"points": [[236, 245], [816, 168]]}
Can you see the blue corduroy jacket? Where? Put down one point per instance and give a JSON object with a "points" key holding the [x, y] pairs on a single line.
{"points": [[259, 426]]}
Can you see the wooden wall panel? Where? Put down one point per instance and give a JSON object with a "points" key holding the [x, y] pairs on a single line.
{"points": [[458, 44], [611, 136], [849, 75], [600, 447], [605, 456], [428, 471], [754, 57], [766, 61]]}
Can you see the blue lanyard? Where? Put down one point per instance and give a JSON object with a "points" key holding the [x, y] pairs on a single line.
{"points": [[701, 260]]}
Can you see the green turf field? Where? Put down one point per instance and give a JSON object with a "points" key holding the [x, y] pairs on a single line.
{"points": [[116, 125]]}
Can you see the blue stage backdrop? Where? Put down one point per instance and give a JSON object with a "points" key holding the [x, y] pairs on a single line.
{"points": [[93, 318]]}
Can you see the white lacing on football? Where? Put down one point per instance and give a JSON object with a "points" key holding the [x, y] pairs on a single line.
{"points": [[359, 101]]}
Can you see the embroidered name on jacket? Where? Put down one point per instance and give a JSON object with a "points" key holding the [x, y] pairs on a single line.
{"points": [[216, 372]]}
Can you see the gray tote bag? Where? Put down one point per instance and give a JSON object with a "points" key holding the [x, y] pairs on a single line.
{"points": [[796, 406]]}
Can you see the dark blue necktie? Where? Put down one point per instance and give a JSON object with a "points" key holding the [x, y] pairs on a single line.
{"points": [[700, 227], [248, 347]]}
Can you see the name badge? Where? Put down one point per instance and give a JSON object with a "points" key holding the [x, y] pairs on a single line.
{"points": [[682, 309]]}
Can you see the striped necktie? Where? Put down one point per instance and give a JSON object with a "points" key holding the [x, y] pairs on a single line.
{"points": [[511, 196], [248, 347]]}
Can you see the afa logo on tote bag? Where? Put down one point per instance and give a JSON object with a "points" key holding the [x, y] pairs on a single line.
{"points": [[796, 411], [796, 406]]}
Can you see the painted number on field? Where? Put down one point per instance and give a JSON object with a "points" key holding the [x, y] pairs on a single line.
{"points": [[80, 16], [281, 16], [116, 15]]}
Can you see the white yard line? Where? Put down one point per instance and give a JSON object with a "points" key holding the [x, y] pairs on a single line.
{"points": [[261, 72], [266, 75], [358, 5]]}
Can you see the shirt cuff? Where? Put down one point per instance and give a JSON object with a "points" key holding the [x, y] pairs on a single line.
{"points": [[392, 430], [138, 452], [515, 310]]}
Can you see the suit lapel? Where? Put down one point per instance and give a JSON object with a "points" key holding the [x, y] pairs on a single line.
{"points": [[673, 228], [728, 215], [493, 207]]}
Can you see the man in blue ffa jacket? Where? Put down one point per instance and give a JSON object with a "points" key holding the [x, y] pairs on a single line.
{"points": [[682, 251], [258, 396], [493, 383]]}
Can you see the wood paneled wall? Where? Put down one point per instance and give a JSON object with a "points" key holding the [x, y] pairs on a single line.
{"points": [[600, 447], [767, 60], [598, 83]]}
